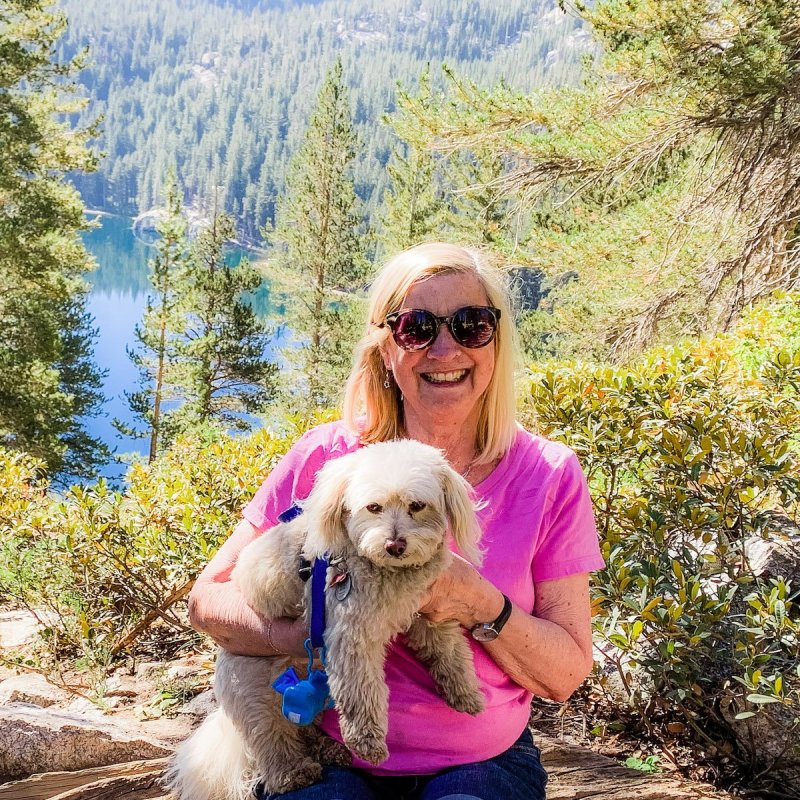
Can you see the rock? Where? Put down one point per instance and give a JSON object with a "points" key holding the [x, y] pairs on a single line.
{"points": [[44, 740], [150, 670], [170, 730], [120, 685], [30, 687], [201, 705], [528, 286], [82, 706], [778, 554], [181, 672], [17, 628]]}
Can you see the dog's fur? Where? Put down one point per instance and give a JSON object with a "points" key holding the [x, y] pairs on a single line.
{"points": [[364, 508]]}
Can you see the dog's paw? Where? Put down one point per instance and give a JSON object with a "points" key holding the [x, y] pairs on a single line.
{"points": [[469, 704], [303, 774], [370, 748], [466, 700], [329, 751]]}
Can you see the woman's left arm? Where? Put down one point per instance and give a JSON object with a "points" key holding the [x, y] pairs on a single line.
{"points": [[548, 652]]}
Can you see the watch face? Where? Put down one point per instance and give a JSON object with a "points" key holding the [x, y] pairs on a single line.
{"points": [[484, 633]]}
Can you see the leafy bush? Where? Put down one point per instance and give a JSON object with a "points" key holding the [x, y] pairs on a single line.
{"points": [[692, 455], [93, 563], [23, 504], [767, 329]]}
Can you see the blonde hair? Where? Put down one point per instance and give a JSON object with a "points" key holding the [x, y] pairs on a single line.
{"points": [[377, 412]]}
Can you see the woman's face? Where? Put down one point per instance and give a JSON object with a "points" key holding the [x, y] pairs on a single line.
{"points": [[443, 383]]}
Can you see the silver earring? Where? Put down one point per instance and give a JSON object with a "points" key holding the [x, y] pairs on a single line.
{"points": [[387, 383]]}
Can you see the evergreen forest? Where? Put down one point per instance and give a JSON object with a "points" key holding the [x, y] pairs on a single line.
{"points": [[223, 91]]}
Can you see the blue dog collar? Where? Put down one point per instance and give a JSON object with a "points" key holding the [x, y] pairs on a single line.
{"points": [[291, 513]]}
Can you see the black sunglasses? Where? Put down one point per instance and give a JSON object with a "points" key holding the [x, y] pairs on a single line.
{"points": [[416, 328]]}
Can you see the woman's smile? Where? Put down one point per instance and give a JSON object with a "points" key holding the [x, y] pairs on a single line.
{"points": [[451, 378]]}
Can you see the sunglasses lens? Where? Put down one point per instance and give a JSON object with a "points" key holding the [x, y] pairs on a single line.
{"points": [[474, 326], [414, 330]]}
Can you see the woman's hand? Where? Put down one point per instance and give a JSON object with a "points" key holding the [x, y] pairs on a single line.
{"points": [[548, 652], [462, 594], [287, 636]]}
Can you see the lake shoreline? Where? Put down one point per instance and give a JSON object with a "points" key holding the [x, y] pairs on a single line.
{"points": [[258, 250], [117, 301]]}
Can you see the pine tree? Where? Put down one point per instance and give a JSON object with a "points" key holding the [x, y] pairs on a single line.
{"points": [[318, 230], [480, 212], [454, 196], [223, 373], [158, 334], [414, 206], [49, 384], [662, 196]]}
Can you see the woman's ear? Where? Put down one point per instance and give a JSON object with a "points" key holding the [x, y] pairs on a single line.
{"points": [[325, 511], [387, 364], [460, 512]]}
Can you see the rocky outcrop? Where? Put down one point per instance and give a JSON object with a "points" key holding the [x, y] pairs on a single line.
{"points": [[31, 688], [34, 739]]}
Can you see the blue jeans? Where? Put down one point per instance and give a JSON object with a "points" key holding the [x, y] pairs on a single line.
{"points": [[516, 774]]}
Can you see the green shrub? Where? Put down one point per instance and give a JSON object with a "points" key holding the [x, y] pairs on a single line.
{"points": [[23, 507], [690, 454], [767, 329], [94, 562]]}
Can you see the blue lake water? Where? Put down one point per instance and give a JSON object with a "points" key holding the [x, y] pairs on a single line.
{"points": [[117, 301]]}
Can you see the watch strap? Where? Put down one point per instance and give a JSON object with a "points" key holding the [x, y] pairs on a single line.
{"points": [[503, 616]]}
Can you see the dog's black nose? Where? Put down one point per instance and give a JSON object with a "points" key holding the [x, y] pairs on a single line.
{"points": [[395, 547]]}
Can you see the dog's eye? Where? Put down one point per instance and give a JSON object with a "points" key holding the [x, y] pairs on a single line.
{"points": [[415, 506], [374, 508]]}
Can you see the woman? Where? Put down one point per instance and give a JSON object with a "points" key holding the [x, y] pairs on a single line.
{"points": [[436, 364]]}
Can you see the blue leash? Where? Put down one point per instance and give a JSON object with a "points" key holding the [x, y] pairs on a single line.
{"points": [[318, 575], [303, 700]]}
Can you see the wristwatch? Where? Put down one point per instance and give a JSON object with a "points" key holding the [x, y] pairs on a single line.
{"points": [[489, 631]]}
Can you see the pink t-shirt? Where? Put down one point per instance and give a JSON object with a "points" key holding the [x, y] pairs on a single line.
{"points": [[537, 525]]}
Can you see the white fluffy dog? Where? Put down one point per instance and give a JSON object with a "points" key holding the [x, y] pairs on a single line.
{"points": [[381, 515]]}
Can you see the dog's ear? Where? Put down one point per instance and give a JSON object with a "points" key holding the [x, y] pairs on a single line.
{"points": [[324, 509], [460, 512]]}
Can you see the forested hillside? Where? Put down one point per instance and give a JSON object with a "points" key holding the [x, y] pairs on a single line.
{"points": [[224, 90]]}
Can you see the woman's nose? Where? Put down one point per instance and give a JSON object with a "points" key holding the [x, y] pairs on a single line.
{"points": [[444, 345]]}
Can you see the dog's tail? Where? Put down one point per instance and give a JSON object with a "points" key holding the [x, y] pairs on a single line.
{"points": [[212, 764]]}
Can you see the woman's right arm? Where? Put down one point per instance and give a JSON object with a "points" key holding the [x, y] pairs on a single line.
{"points": [[217, 607]]}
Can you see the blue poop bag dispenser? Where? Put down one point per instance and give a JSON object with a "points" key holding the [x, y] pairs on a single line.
{"points": [[303, 699]]}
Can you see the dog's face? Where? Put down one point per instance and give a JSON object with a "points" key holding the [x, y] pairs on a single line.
{"points": [[394, 502], [395, 525]]}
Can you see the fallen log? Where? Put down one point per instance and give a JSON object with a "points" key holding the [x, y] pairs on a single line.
{"points": [[47, 785], [576, 773], [146, 786]]}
